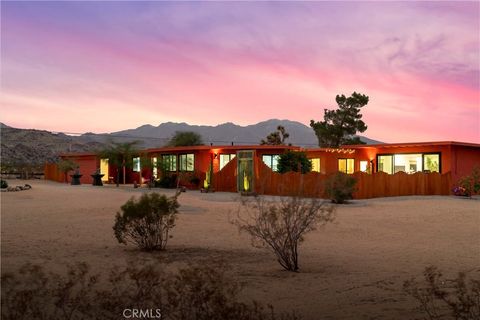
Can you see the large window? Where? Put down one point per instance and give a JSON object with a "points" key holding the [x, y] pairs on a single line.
{"points": [[315, 164], [409, 163], [346, 165], [225, 158], [169, 162], [186, 162], [271, 160], [136, 164]]}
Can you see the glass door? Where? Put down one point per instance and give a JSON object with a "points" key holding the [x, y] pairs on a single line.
{"points": [[245, 171]]}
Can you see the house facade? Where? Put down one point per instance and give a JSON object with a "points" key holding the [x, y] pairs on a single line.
{"points": [[238, 168]]}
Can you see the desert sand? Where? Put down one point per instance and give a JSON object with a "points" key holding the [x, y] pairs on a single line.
{"points": [[353, 268]]}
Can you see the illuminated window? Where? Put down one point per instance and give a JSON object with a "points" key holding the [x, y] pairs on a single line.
{"points": [[364, 166], [346, 165], [315, 164], [136, 164], [225, 158], [271, 160], [385, 164], [169, 162], [431, 162], [408, 163], [154, 165], [186, 162]]}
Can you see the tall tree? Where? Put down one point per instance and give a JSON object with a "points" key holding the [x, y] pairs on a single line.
{"points": [[185, 138], [66, 166], [339, 126], [276, 138], [120, 155]]}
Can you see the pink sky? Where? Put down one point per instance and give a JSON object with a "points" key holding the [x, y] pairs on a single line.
{"points": [[109, 66]]}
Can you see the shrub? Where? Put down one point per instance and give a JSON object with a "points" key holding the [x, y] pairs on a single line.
{"points": [[282, 225], [192, 293], [294, 161], [147, 221], [468, 185], [440, 298], [340, 187], [3, 184], [167, 181]]}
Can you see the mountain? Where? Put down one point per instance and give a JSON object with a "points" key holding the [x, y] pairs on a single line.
{"points": [[226, 133], [32, 147]]}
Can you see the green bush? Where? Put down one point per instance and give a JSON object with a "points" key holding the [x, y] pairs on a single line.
{"points": [[340, 187], [470, 184], [3, 184], [294, 161], [146, 222]]}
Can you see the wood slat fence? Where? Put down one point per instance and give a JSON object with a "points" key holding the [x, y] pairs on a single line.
{"points": [[312, 184]]}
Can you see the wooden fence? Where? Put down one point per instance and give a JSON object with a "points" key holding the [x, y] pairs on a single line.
{"points": [[312, 184]]}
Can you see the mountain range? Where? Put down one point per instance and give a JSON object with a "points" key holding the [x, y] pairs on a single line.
{"points": [[35, 147]]}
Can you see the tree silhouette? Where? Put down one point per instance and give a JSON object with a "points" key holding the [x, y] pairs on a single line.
{"points": [[185, 138], [339, 126], [276, 138], [120, 155]]}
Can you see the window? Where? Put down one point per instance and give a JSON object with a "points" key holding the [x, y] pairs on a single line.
{"points": [[271, 160], [346, 165], [364, 166], [431, 162], [315, 164], [136, 164], [169, 162], [186, 162], [154, 165], [385, 164], [409, 163], [225, 158]]}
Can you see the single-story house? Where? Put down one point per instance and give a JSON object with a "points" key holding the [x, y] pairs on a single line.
{"points": [[239, 164]]}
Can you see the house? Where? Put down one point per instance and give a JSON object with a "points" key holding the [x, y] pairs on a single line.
{"points": [[243, 168]]}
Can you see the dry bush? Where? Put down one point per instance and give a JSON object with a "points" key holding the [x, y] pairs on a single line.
{"points": [[147, 221], [281, 225], [440, 298], [340, 187], [191, 293]]}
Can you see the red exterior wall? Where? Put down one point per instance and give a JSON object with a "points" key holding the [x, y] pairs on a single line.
{"points": [[88, 164], [463, 160]]}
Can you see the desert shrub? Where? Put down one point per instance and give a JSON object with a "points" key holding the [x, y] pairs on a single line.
{"points": [[339, 187], [3, 184], [296, 161], [441, 298], [146, 222], [282, 225], [191, 293], [167, 181], [468, 185]]}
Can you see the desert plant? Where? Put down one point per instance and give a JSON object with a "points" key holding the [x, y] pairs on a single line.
{"points": [[281, 225], [167, 181], [193, 292], [65, 166], [440, 298], [3, 184], [469, 184], [185, 138], [277, 137], [146, 222], [296, 161], [339, 187], [120, 155]]}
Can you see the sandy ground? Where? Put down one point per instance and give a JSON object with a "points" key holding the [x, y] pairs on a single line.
{"points": [[351, 269]]}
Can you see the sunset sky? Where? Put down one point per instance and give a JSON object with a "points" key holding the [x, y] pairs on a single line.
{"points": [[108, 66]]}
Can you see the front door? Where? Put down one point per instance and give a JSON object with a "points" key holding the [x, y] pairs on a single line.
{"points": [[245, 177]]}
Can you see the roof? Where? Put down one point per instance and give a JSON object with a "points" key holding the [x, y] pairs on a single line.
{"points": [[226, 148], [413, 144]]}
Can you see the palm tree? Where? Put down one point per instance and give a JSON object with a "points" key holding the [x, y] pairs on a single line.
{"points": [[120, 155]]}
